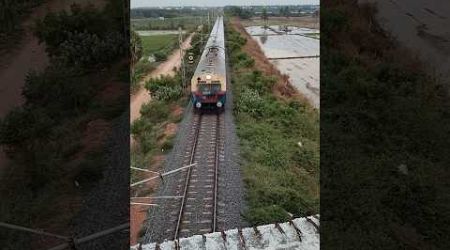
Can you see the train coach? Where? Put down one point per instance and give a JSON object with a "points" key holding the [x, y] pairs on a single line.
{"points": [[209, 82]]}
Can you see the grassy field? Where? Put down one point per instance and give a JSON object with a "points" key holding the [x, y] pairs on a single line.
{"points": [[186, 23], [159, 46], [279, 138], [158, 43]]}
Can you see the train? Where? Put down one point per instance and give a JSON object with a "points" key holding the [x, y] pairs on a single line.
{"points": [[209, 82]]}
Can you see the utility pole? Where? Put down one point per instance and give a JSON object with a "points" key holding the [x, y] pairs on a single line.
{"points": [[208, 21], [180, 44]]}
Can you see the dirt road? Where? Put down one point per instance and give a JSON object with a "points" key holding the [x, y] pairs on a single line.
{"points": [[165, 68], [422, 26]]}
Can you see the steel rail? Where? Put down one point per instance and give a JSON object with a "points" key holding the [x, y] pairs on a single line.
{"points": [[188, 177], [216, 172]]}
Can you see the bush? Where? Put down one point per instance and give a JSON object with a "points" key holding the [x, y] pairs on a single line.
{"points": [[84, 37], [61, 91], [155, 111], [16, 132], [165, 88], [11, 11], [250, 102], [83, 49], [160, 56]]}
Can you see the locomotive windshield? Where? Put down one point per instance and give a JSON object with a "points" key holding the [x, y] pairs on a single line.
{"points": [[209, 89]]}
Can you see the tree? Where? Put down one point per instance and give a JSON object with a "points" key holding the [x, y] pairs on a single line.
{"points": [[135, 48]]}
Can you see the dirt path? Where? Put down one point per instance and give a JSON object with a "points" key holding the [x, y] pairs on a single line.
{"points": [[422, 26], [165, 68], [138, 213]]}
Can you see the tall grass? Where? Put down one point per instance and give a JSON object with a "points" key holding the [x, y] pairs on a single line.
{"points": [[279, 142]]}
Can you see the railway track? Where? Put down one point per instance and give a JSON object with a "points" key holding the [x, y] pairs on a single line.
{"points": [[198, 210]]}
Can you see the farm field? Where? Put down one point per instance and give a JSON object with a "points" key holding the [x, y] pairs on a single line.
{"points": [[152, 44], [186, 23], [287, 53]]}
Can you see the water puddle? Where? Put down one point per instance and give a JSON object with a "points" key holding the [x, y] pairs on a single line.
{"points": [[295, 52]]}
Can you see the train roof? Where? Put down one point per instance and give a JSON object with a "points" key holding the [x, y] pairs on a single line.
{"points": [[212, 60]]}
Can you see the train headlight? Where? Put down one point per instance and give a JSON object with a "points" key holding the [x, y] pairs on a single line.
{"points": [[219, 104], [208, 77], [198, 105]]}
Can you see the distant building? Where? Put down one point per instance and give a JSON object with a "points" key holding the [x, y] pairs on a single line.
{"points": [[161, 18]]}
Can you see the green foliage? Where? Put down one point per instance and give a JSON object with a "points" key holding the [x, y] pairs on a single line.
{"points": [[155, 111], [59, 90], [140, 69], [238, 11], [165, 88], [267, 215], [185, 22], [12, 10], [16, 132], [136, 49], [379, 115], [43, 136], [281, 176], [160, 56], [83, 38]]}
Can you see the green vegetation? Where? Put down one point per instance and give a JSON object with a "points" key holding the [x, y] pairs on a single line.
{"points": [[189, 23], [45, 138], [313, 35], [159, 45], [136, 52], [82, 38], [148, 131], [384, 140], [279, 142], [11, 14], [240, 12], [165, 88]]}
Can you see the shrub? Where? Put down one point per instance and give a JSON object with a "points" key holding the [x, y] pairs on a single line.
{"points": [[155, 111], [160, 56], [59, 90], [165, 88], [250, 102], [83, 49], [84, 37]]}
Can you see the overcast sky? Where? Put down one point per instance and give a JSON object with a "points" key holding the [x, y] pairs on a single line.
{"points": [[158, 3]]}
